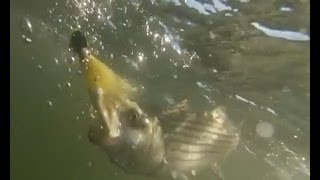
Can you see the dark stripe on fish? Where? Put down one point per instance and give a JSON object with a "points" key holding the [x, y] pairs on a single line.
{"points": [[203, 129], [203, 123], [177, 144], [193, 119], [174, 145], [195, 157], [198, 141], [196, 138], [204, 151]]}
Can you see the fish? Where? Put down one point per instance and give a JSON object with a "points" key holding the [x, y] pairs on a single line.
{"points": [[175, 144]]}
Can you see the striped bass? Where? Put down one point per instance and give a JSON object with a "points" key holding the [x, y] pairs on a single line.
{"points": [[177, 144]]}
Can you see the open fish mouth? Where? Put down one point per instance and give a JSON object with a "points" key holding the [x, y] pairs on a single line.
{"points": [[109, 92], [126, 133]]}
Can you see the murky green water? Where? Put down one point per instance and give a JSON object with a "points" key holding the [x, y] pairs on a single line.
{"points": [[250, 56]]}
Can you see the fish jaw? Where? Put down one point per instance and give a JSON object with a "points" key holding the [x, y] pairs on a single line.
{"points": [[109, 92], [108, 114]]}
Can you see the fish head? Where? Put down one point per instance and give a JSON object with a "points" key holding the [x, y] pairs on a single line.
{"points": [[137, 144]]}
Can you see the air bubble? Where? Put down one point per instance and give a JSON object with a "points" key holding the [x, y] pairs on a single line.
{"points": [[69, 84], [26, 26], [193, 172], [26, 39], [72, 60], [174, 174], [50, 104], [56, 60], [265, 129]]}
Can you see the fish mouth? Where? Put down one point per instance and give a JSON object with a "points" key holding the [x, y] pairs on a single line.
{"points": [[110, 94], [112, 118], [114, 111]]}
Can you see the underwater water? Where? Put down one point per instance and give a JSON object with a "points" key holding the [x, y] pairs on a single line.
{"points": [[251, 56]]}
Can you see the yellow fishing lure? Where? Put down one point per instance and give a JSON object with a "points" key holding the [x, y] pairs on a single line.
{"points": [[99, 75]]}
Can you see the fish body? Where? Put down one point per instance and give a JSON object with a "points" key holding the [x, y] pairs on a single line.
{"points": [[196, 142]]}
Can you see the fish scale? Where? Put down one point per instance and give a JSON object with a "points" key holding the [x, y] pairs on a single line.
{"points": [[198, 141]]}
